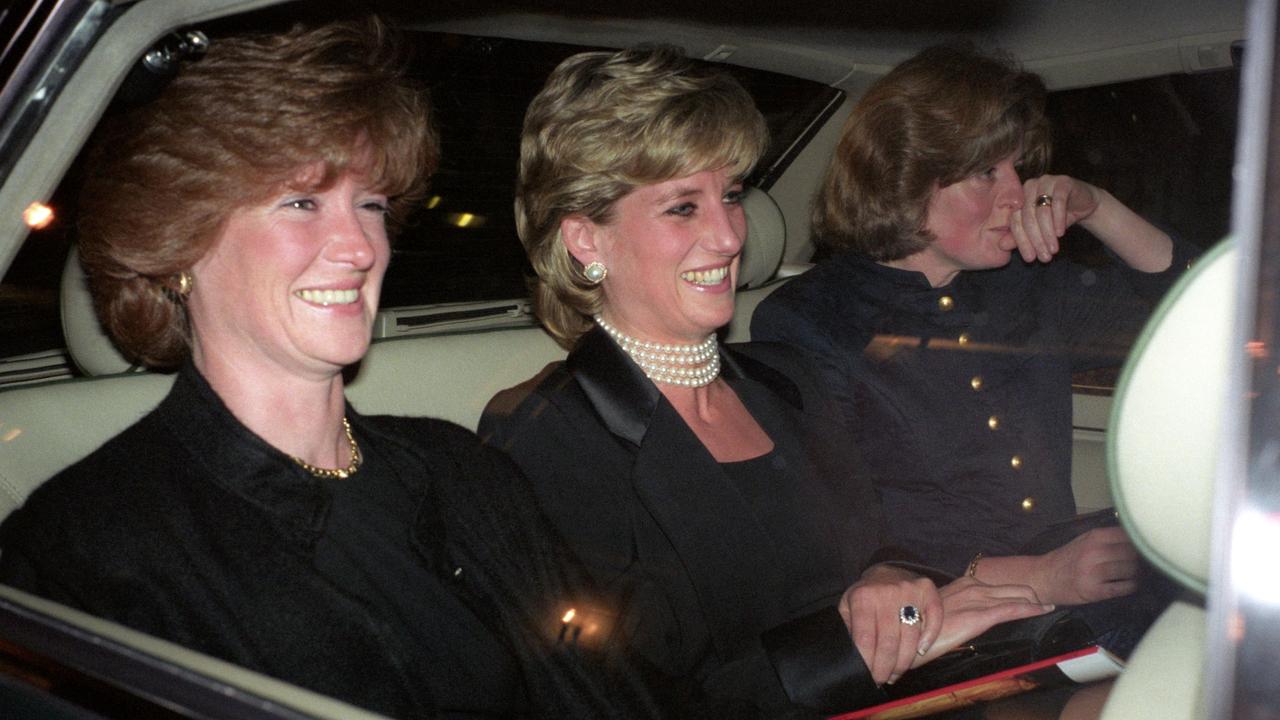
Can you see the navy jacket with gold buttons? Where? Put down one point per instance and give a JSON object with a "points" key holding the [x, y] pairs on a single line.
{"points": [[960, 396]]}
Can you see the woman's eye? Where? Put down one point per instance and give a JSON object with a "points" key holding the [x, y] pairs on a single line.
{"points": [[682, 210], [301, 204], [733, 197], [377, 206]]}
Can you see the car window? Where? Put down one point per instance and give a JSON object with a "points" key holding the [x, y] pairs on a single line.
{"points": [[461, 245], [1164, 146]]}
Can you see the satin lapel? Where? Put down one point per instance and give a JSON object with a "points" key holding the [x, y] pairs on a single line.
{"points": [[618, 390]]}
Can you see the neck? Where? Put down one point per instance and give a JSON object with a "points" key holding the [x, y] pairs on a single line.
{"points": [[300, 416], [689, 365], [697, 402]]}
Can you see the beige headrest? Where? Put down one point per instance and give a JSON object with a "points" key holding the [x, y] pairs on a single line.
{"points": [[87, 343], [1162, 445], [766, 239]]}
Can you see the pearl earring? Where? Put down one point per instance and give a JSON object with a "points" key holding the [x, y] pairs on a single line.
{"points": [[595, 272]]}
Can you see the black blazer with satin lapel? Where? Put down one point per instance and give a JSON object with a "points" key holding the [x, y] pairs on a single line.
{"points": [[658, 521]]}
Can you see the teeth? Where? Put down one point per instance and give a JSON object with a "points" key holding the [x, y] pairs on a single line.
{"points": [[706, 277], [328, 297]]}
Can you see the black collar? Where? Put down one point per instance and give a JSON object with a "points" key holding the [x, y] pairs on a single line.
{"points": [[231, 456], [626, 400]]}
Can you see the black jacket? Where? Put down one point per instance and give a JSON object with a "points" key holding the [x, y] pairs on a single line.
{"points": [[190, 527], [960, 396], [656, 518]]}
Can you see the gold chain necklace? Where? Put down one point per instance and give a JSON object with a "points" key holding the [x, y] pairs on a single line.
{"points": [[336, 473]]}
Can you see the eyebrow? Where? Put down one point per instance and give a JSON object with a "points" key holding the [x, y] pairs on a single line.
{"points": [[678, 193], [685, 191]]}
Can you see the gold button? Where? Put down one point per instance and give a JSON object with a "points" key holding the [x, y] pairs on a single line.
{"points": [[945, 303], [1015, 462], [976, 382], [964, 338], [993, 422], [1028, 503]]}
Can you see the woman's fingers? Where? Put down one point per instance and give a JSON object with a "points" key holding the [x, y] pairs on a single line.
{"points": [[1018, 228], [1051, 204], [1041, 207], [933, 619], [891, 620], [972, 608]]}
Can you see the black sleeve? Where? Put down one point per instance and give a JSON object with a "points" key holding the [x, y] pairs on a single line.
{"points": [[1099, 311]]}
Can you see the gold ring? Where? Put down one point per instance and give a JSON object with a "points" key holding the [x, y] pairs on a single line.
{"points": [[1044, 201]]}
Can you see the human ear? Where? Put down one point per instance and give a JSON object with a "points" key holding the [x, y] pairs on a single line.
{"points": [[580, 236]]}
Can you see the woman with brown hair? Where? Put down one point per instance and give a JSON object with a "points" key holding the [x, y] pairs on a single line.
{"points": [[952, 363], [237, 227]]}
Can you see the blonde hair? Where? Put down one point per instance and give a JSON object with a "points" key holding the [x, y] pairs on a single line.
{"points": [[941, 116], [231, 129], [603, 125]]}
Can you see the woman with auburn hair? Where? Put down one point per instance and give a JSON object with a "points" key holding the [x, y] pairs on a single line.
{"points": [[951, 358], [237, 227], [704, 483]]}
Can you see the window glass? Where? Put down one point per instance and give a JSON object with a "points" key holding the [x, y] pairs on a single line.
{"points": [[1164, 146]]}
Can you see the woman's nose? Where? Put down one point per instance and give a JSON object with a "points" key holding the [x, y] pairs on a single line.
{"points": [[729, 230], [1009, 192], [351, 241]]}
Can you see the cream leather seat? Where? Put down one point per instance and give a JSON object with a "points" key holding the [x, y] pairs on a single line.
{"points": [[1162, 450]]}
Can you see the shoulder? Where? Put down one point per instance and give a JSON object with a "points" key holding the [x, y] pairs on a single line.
{"points": [[764, 359], [537, 407], [114, 471], [821, 309], [97, 512], [449, 451], [805, 379]]}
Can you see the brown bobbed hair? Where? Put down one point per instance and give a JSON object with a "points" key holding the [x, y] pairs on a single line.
{"points": [[937, 118], [232, 129], [605, 124]]}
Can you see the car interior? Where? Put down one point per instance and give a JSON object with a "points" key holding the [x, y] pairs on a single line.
{"points": [[447, 359]]}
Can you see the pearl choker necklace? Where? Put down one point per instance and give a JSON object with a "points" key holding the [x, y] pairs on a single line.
{"points": [[686, 365]]}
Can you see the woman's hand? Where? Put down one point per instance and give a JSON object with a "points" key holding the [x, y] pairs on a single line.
{"points": [[1053, 203], [871, 607], [1038, 225], [970, 608], [1098, 565]]}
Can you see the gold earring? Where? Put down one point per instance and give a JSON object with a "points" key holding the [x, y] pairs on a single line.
{"points": [[185, 283]]}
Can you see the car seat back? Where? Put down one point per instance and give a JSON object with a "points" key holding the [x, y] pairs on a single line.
{"points": [[1162, 451]]}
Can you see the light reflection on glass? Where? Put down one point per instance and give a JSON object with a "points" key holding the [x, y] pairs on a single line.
{"points": [[1257, 537], [11, 435]]}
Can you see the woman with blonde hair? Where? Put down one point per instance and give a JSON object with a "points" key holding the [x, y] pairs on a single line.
{"points": [[707, 484]]}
